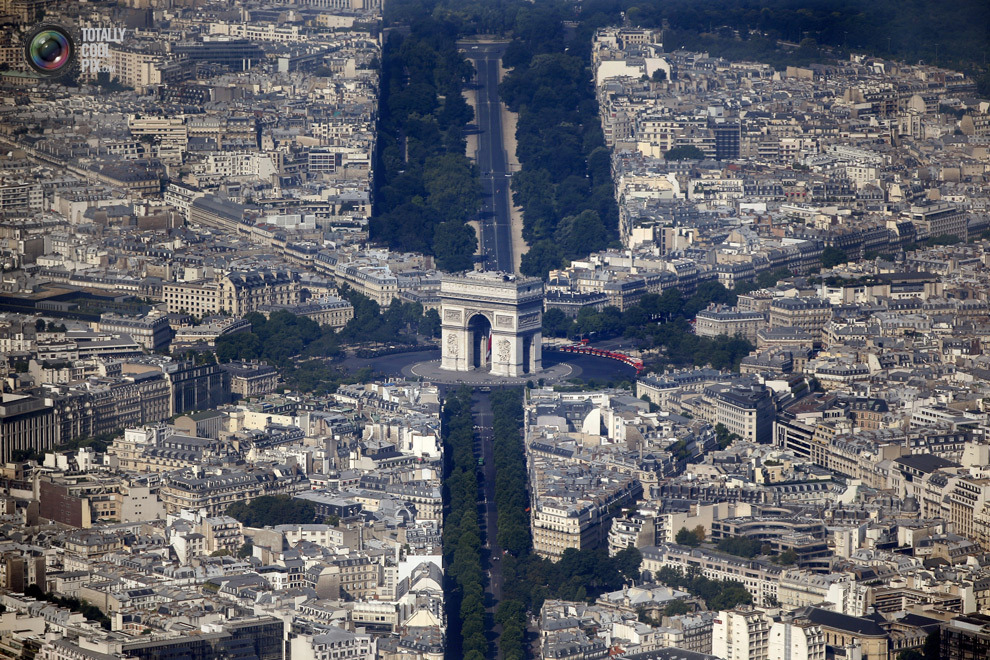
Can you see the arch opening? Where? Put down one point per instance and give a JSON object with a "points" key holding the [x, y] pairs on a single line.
{"points": [[480, 329]]}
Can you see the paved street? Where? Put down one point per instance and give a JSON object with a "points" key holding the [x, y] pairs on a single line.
{"points": [[496, 236]]}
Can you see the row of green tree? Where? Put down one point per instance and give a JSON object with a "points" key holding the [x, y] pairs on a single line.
{"points": [[51, 326], [565, 184], [464, 590], [271, 510], [427, 189], [511, 493], [512, 504]]}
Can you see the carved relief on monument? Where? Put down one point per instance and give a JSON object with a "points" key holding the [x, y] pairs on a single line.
{"points": [[452, 347], [452, 315], [503, 321], [532, 318], [504, 346]]}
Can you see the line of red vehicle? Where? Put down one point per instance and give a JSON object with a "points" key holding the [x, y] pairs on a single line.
{"points": [[583, 349]]}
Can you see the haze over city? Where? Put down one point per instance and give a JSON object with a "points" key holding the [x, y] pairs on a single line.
{"points": [[494, 329]]}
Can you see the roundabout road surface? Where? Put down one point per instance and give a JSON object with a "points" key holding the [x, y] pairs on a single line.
{"points": [[587, 367]]}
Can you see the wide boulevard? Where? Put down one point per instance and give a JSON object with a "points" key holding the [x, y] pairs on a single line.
{"points": [[496, 231]]}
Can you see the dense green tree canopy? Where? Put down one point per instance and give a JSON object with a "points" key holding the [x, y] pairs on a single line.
{"points": [[299, 347], [454, 244], [462, 532], [271, 510], [832, 256], [542, 257], [564, 187], [689, 537], [740, 546], [687, 152], [717, 594], [426, 188]]}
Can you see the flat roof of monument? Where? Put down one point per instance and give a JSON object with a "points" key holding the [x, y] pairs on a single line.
{"points": [[487, 276], [490, 284]]}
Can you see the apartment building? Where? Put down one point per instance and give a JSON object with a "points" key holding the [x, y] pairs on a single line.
{"points": [[716, 321], [20, 197], [741, 635], [237, 293], [350, 578], [249, 379], [966, 503], [796, 639], [83, 501], [966, 638], [801, 588], [169, 134], [152, 333], [156, 449], [214, 492], [26, 423], [557, 527], [563, 519], [196, 298], [255, 637], [747, 412], [808, 314], [136, 68], [939, 219], [331, 644]]}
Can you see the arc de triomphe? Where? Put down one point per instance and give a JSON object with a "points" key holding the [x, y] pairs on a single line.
{"points": [[491, 320]]}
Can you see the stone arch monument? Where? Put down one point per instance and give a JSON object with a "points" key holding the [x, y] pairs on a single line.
{"points": [[491, 321]]}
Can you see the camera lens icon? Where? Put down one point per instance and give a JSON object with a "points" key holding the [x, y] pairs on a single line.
{"points": [[50, 50]]}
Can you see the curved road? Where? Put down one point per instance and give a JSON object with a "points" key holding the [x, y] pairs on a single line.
{"points": [[586, 367], [496, 228]]}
